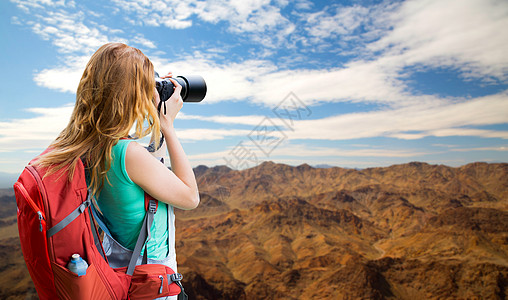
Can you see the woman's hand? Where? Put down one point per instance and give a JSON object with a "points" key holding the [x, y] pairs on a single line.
{"points": [[173, 104]]}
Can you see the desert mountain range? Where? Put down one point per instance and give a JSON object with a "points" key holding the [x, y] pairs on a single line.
{"points": [[411, 231]]}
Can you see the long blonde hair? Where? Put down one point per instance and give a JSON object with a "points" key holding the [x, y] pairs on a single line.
{"points": [[115, 91]]}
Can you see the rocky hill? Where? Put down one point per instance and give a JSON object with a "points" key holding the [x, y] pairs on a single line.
{"points": [[411, 231]]}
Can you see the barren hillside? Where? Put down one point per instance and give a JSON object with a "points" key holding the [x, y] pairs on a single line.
{"points": [[411, 231]]}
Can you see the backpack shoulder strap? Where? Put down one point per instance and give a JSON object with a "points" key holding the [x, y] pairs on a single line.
{"points": [[144, 234]]}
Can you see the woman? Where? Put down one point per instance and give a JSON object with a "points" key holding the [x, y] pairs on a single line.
{"points": [[116, 92]]}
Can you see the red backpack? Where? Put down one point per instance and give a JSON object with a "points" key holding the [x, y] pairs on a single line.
{"points": [[55, 221]]}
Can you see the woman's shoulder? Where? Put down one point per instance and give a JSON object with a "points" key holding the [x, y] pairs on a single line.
{"points": [[136, 156], [133, 148]]}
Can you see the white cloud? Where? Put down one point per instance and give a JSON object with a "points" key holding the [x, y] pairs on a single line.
{"points": [[140, 40], [27, 5], [498, 149], [258, 18], [468, 35], [206, 134], [252, 120], [310, 151], [441, 119], [36, 132], [343, 21], [356, 82], [68, 32], [243, 16], [417, 121], [64, 78]]}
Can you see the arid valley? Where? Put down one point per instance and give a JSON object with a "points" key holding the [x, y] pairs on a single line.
{"points": [[410, 231]]}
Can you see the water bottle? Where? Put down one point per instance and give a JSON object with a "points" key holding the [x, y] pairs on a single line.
{"points": [[77, 265]]}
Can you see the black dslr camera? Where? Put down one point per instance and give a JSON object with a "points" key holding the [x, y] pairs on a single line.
{"points": [[193, 88]]}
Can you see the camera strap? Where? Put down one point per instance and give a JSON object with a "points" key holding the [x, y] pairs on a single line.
{"points": [[160, 105], [151, 147]]}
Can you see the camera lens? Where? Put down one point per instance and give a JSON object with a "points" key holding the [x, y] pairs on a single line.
{"points": [[193, 87]]}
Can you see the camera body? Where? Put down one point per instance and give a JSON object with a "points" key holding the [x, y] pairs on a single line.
{"points": [[193, 87]]}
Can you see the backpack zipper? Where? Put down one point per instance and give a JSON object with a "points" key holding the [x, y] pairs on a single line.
{"points": [[162, 283], [161, 289], [36, 209], [41, 218]]}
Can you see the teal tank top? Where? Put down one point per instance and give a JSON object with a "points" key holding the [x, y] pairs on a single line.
{"points": [[123, 206]]}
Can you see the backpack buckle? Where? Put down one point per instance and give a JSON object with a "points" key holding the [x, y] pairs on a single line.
{"points": [[152, 206], [175, 277]]}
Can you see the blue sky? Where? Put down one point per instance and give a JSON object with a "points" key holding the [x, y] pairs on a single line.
{"points": [[358, 83]]}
